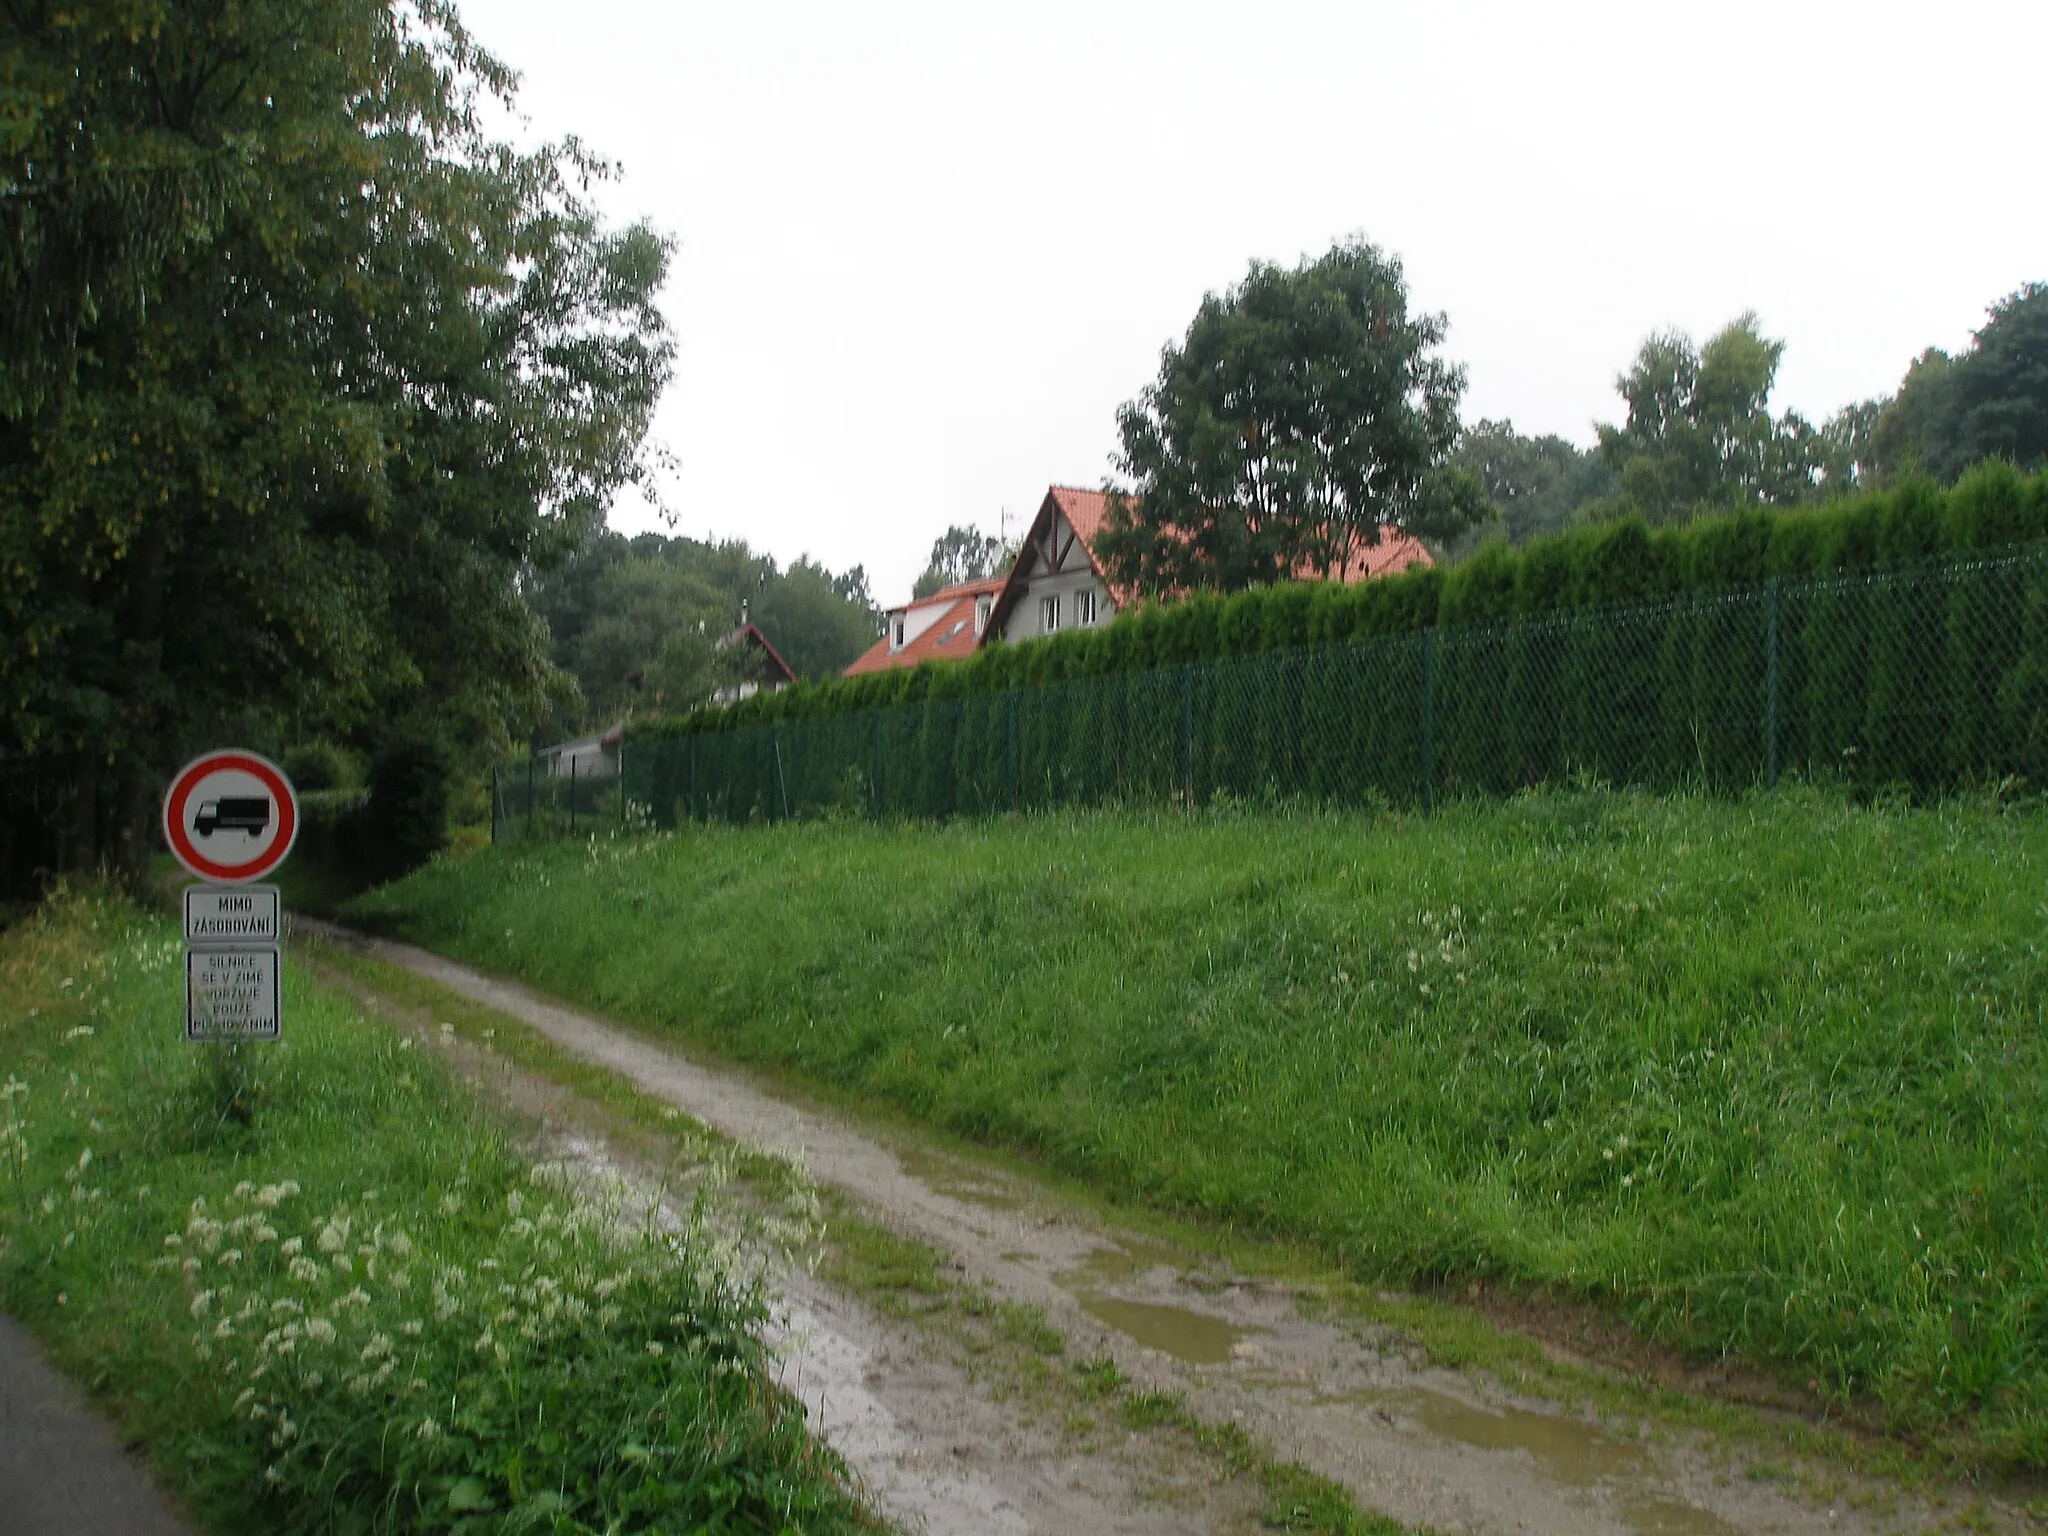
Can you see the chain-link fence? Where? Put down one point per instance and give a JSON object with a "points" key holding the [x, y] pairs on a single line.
{"points": [[1925, 679], [556, 796]]}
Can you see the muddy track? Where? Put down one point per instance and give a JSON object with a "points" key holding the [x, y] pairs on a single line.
{"points": [[1426, 1446]]}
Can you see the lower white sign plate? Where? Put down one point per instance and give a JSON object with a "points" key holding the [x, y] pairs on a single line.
{"points": [[231, 994]]}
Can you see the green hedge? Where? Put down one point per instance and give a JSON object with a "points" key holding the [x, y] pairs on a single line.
{"points": [[1896, 638]]}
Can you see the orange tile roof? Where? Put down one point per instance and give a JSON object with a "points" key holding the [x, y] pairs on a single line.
{"points": [[948, 636]]}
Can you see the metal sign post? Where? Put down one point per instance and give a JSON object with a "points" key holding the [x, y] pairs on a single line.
{"points": [[230, 818]]}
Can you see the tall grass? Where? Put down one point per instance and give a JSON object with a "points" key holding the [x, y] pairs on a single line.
{"points": [[325, 1292], [1768, 1076]]}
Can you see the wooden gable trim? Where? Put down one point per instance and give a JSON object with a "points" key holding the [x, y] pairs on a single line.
{"points": [[1020, 572]]}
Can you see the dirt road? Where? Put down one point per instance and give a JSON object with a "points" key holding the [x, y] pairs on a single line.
{"points": [[1424, 1445]]}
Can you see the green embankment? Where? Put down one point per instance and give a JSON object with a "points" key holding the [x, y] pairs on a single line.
{"points": [[318, 1284], [1766, 1075]]}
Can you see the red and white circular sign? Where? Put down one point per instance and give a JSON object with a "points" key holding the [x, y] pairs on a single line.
{"points": [[231, 816]]}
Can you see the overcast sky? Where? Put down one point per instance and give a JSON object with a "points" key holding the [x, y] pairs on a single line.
{"points": [[925, 251]]}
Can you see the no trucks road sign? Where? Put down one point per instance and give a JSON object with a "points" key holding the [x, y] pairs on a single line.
{"points": [[230, 817]]}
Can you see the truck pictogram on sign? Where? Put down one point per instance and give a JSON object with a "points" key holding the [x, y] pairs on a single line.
{"points": [[234, 815]]}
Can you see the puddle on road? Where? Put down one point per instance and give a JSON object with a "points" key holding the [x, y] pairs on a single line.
{"points": [[1195, 1337], [958, 1181], [1191, 1336], [1571, 1451]]}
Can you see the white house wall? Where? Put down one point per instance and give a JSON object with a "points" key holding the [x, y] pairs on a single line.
{"points": [[1074, 577]]}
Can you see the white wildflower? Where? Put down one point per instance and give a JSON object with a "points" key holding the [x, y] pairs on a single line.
{"points": [[200, 1303], [654, 1349], [292, 1247], [319, 1330]]}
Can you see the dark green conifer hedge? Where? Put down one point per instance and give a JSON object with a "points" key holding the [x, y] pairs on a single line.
{"points": [[1898, 637]]}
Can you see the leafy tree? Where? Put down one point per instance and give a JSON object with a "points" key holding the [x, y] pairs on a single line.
{"points": [[1534, 483], [302, 369], [818, 621], [638, 621], [649, 615], [1951, 414], [1700, 432], [1304, 407], [1848, 446], [960, 554]]}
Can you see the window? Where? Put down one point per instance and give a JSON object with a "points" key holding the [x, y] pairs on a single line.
{"points": [[982, 605], [1084, 606], [896, 633], [1048, 614]]}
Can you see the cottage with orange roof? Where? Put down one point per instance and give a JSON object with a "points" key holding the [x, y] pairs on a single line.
{"points": [[1057, 582]]}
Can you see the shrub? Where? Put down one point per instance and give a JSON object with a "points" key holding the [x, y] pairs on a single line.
{"points": [[321, 765], [406, 821]]}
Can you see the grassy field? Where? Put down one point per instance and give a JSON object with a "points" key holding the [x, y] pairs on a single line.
{"points": [[1770, 1077], [319, 1285]]}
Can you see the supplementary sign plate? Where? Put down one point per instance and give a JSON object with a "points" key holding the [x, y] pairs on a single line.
{"points": [[231, 816], [231, 994], [231, 914]]}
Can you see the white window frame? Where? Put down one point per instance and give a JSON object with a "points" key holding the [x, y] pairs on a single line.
{"points": [[1084, 607], [1049, 614], [982, 605], [896, 628]]}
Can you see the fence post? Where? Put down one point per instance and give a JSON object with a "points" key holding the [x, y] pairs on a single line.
{"points": [[494, 805], [572, 794], [1187, 736], [1010, 746], [781, 783], [622, 785], [529, 793], [1429, 723], [1771, 684], [875, 793]]}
